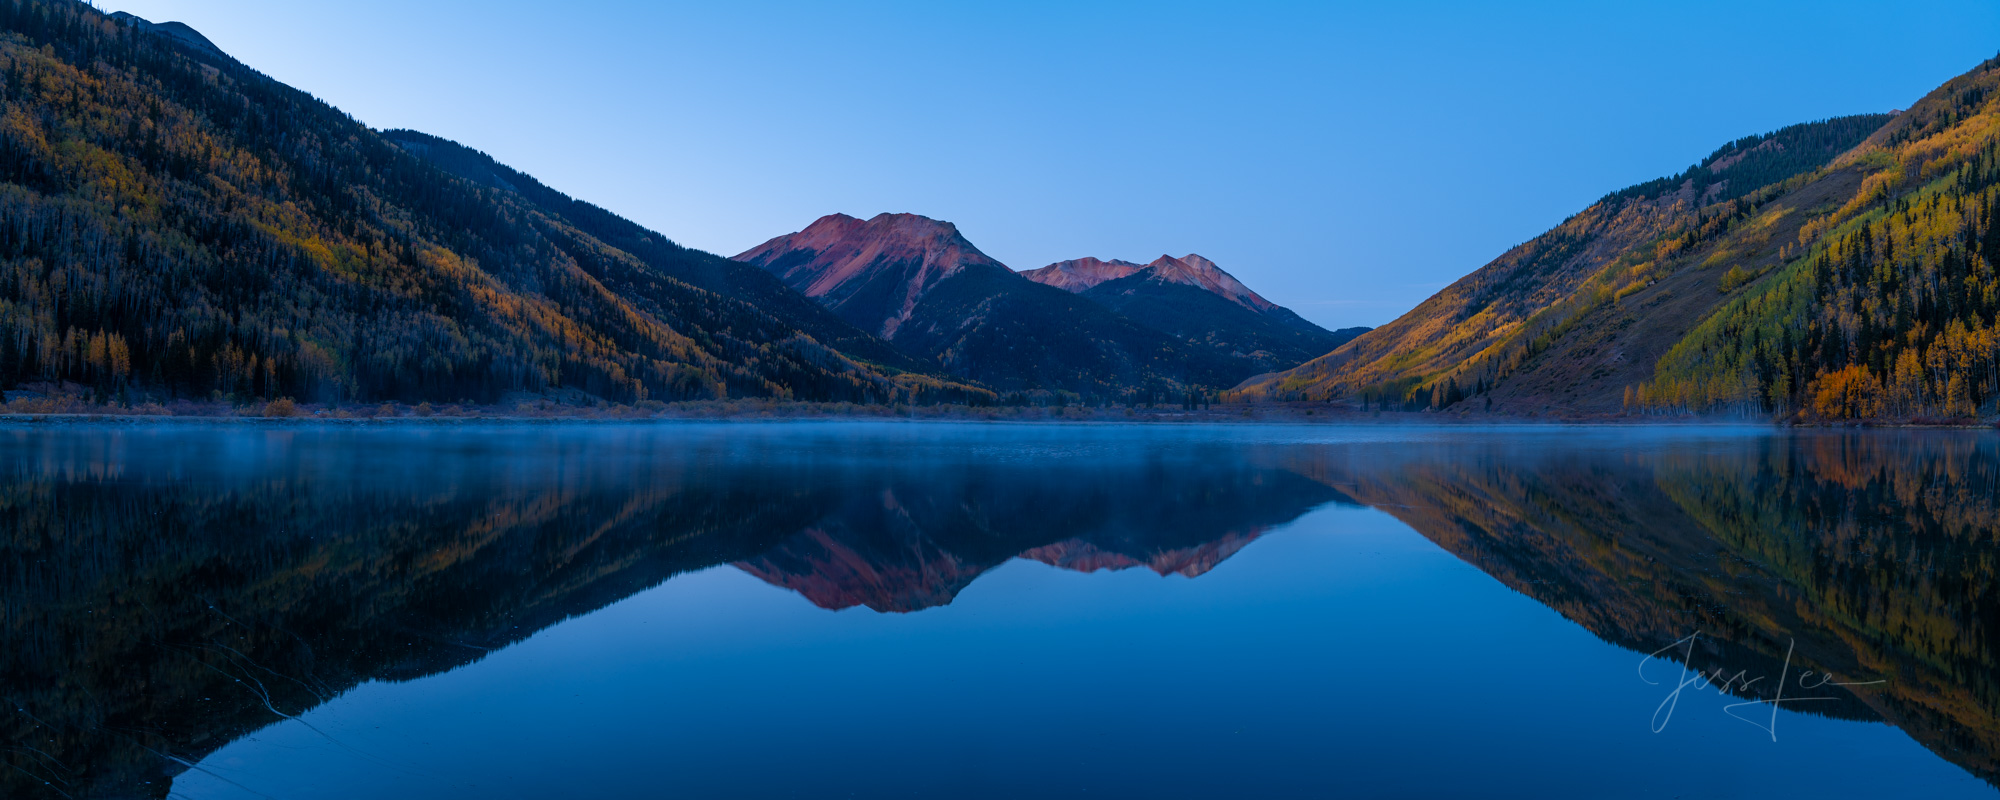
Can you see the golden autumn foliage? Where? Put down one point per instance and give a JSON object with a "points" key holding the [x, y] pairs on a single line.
{"points": [[173, 222], [1851, 392], [1502, 320], [1889, 308]]}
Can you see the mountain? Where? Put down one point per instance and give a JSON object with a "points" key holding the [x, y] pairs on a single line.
{"points": [[920, 284], [1571, 320], [1885, 304], [177, 30], [1078, 275], [1081, 275], [703, 270], [872, 273], [173, 223], [1195, 301]]}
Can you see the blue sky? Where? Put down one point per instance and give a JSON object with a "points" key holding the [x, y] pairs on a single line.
{"points": [[1344, 159]]}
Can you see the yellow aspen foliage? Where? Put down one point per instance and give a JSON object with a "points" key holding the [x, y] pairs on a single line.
{"points": [[1851, 392]]}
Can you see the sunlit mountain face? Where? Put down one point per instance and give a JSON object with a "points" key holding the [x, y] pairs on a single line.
{"points": [[169, 591]]}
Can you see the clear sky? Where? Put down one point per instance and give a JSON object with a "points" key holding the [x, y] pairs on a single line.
{"points": [[1344, 159]]}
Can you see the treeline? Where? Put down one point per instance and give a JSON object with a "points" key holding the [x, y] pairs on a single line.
{"points": [[1784, 152], [173, 221], [1153, 394], [1891, 310]]}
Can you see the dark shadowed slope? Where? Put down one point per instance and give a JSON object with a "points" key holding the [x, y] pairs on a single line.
{"points": [[1081, 275], [1194, 300], [694, 267]]}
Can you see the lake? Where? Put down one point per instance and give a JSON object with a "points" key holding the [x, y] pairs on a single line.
{"points": [[762, 610]]}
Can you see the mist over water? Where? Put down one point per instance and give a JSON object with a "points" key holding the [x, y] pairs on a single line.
{"points": [[931, 610]]}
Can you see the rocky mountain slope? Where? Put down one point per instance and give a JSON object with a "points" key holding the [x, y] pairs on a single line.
{"points": [[174, 223], [1571, 320], [920, 284], [873, 273], [1194, 300]]}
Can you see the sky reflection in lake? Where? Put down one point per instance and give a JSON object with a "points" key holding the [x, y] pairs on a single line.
{"points": [[1060, 610]]}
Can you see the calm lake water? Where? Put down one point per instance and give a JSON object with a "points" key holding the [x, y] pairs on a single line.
{"points": [[948, 611]]}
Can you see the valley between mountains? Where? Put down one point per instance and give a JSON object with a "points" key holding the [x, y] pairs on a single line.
{"points": [[176, 227]]}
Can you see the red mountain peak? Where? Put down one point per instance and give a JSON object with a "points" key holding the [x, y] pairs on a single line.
{"points": [[1194, 270], [881, 266], [1078, 275]]}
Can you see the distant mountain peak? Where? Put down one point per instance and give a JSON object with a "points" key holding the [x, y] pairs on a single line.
{"points": [[1079, 275], [889, 261], [1193, 270]]}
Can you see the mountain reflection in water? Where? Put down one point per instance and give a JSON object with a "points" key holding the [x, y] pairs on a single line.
{"points": [[169, 590]]}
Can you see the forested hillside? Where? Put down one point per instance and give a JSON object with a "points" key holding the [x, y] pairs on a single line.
{"points": [[1857, 283], [1573, 320], [694, 267], [1886, 306], [174, 223], [1754, 162]]}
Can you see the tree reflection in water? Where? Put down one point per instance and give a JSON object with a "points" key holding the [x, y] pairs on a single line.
{"points": [[168, 590]]}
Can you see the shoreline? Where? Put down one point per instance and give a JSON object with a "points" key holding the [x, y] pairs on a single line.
{"points": [[74, 410], [1254, 416]]}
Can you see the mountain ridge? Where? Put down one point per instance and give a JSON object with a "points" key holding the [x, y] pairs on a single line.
{"points": [[701, 269], [937, 297], [1194, 300], [1564, 323], [230, 237], [179, 31], [840, 260], [1081, 275]]}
